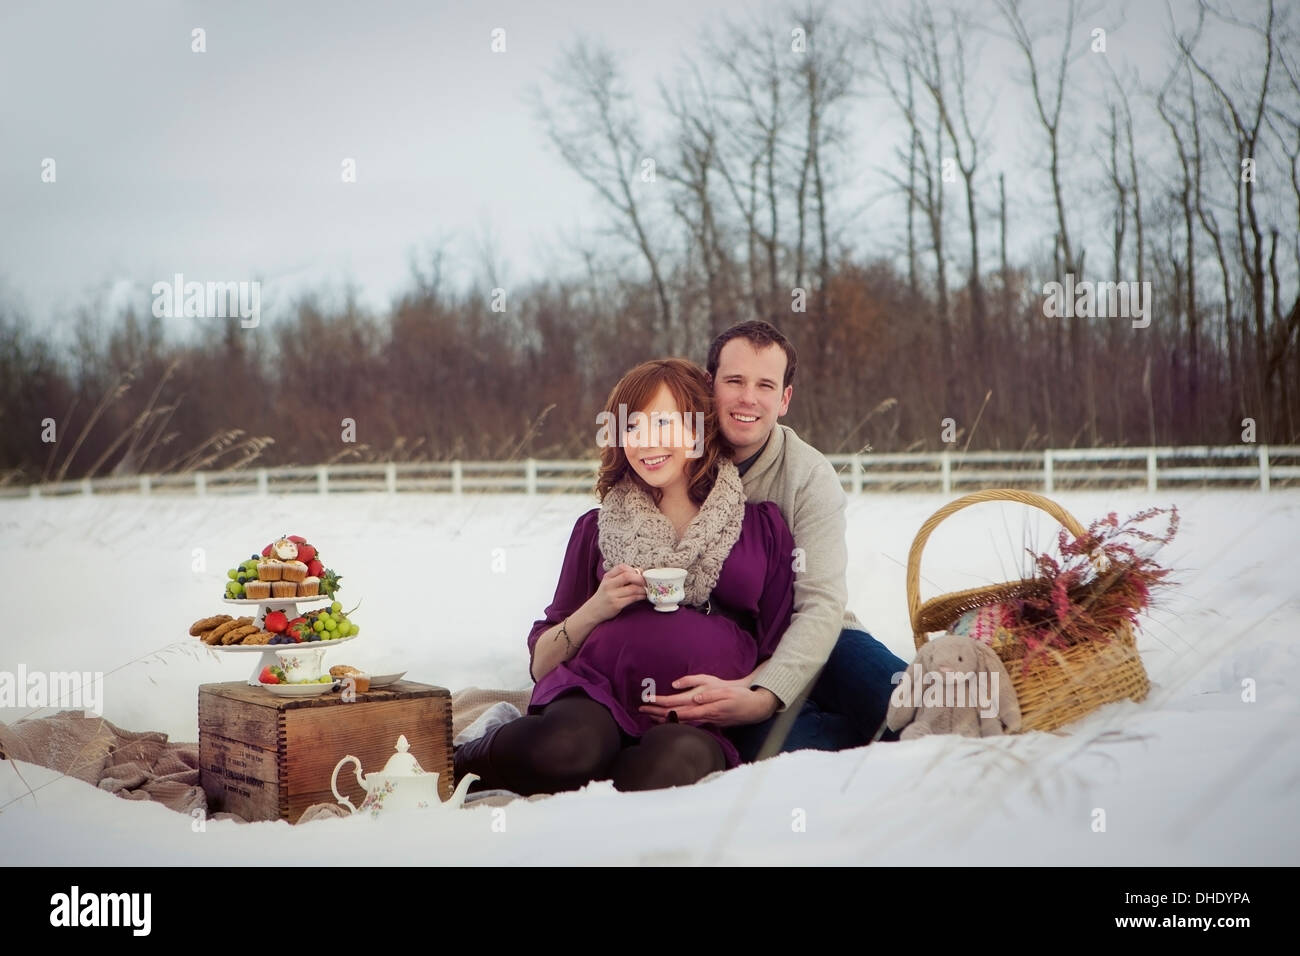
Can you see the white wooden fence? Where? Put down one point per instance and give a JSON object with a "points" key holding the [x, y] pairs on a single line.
{"points": [[1244, 466]]}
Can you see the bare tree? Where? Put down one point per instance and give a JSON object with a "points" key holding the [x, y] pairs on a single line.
{"points": [[1189, 162], [594, 131], [1049, 101], [1207, 219], [910, 111], [923, 186], [825, 71], [1245, 113], [952, 105], [697, 160], [754, 108]]}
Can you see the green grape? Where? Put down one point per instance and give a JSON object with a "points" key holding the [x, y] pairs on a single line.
{"points": [[336, 607], [332, 625], [232, 574], [317, 626]]}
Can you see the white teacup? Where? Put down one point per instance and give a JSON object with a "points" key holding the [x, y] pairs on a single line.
{"points": [[301, 663], [665, 587]]}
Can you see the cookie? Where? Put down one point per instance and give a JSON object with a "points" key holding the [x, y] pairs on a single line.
{"points": [[216, 636], [237, 635], [207, 624]]}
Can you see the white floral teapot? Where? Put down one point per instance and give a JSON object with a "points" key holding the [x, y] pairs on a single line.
{"points": [[402, 785]]}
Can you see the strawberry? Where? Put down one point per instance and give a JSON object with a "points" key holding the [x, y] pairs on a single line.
{"points": [[276, 622], [266, 677], [266, 552], [306, 553], [299, 631], [297, 539], [315, 568]]}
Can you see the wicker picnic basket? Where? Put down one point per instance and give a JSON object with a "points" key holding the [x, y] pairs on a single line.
{"points": [[1053, 686]]}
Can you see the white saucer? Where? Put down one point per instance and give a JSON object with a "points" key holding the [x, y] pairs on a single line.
{"points": [[298, 690]]}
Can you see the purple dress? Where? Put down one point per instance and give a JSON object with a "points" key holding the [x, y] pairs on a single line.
{"points": [[751, 604]]}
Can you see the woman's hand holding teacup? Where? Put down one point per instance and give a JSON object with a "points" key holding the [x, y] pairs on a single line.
{"points": [[622, 585]]}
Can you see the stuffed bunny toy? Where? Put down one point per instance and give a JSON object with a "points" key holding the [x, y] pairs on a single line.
{"points": [[956, 685]]}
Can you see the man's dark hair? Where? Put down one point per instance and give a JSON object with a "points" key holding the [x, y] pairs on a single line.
{"points": [[760, 335]]}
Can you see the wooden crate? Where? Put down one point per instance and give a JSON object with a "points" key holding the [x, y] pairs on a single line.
{"points": [[269, 758]]}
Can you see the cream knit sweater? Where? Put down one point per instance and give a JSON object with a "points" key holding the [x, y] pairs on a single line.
{"points": [[803, 484]]}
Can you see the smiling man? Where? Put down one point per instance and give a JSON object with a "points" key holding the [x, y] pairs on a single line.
{"points": [[825, 653]]}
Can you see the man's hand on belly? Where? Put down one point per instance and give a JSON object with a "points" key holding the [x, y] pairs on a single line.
{"points": [[709, 699]]}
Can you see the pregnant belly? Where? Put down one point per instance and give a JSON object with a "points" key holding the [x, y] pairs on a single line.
{"points": [[642, 651]]}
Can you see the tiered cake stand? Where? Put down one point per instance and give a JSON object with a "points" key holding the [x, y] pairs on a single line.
{"points": [[266, 652]]}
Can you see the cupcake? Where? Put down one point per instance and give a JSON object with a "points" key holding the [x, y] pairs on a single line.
{"points": [[284, 589], [293, 571], [308, 586], [284, 549], [269, 569], [360, 679], [257, 590]]}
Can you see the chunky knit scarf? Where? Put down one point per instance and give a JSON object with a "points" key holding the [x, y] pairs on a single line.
{"points": [[632, 530]]}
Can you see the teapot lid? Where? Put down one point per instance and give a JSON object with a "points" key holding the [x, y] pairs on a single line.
{"points": [[402, 763]]}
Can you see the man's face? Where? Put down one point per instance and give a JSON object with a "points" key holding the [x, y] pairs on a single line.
{"points": [[750, 398]]}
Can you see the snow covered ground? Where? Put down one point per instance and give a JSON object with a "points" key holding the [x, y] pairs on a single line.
{"points": [[1193, 775]]}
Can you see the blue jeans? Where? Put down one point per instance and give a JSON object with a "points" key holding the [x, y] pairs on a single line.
{"points": [[846, 706]]}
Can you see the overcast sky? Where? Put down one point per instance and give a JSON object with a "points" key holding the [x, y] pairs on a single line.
{"points": [[226, 164]]}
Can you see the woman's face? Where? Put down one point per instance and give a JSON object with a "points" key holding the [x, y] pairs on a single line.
{"points": [[657, 440]]}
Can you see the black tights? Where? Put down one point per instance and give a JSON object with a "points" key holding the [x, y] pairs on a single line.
{"points": [[574, 740]]}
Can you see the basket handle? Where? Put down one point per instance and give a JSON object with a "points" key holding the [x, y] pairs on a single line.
{"points": [[951, 508]]}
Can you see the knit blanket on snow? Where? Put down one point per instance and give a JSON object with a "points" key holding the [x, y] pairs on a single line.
{"points": [[135, 766]]}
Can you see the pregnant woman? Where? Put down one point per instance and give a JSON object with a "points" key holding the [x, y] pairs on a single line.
{"points": [[670, 497]]}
